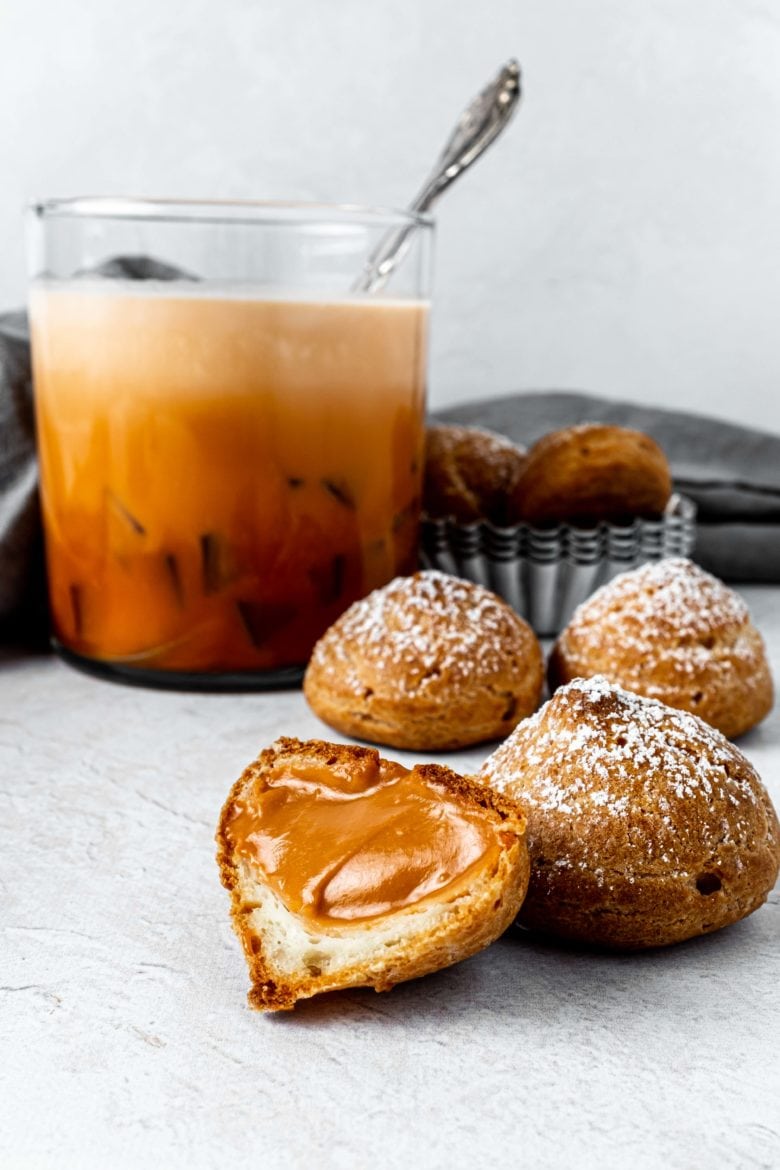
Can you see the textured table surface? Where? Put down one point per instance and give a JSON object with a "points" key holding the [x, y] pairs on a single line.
{"points": [[127, 1042]]}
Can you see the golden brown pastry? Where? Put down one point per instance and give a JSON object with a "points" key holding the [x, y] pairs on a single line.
{"points": [[429, 662], [470, 474], [645, 825], [346, 870], [592, 472], [672, 632]]}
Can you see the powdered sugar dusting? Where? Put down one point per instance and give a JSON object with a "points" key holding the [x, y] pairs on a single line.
{"points": [[417, 629], [673, 594], [655, 781], [665, 625]]}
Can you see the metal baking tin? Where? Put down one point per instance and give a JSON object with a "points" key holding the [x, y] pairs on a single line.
{"points": [[544, 574]]}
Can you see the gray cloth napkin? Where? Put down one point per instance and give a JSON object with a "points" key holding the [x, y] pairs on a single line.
{"points": [[732, 473], [22, 605]]}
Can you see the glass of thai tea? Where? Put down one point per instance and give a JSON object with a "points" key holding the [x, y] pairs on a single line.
{"points": [[230, 436]]}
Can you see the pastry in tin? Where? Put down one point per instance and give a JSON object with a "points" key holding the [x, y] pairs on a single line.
{"points": [[592, 472], [470, 474]]}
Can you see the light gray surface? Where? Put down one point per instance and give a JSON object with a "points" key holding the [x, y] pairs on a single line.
{"points": [[622, 238], [127, 1041]]}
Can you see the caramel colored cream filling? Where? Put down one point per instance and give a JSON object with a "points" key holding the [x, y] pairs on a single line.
{"points": [[339, 848]]}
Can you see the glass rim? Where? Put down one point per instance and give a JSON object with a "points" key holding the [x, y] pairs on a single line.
{"points": [[277, 212]]}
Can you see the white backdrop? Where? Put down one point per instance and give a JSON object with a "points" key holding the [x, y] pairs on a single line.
{"points": [[623, 238]]}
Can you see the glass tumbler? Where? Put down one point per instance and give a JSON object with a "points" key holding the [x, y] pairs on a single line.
{"points": [[230, 428]]}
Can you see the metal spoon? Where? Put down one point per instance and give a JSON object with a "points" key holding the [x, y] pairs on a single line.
{"points": [[480, 124]]}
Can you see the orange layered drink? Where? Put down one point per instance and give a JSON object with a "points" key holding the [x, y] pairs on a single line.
{"points": [[222, 473]]}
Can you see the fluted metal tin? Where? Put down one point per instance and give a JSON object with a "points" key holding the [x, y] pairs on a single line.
{"points": [[544, 574]]}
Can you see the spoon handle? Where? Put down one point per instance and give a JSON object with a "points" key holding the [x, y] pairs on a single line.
{"points": [[479, 125]]}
